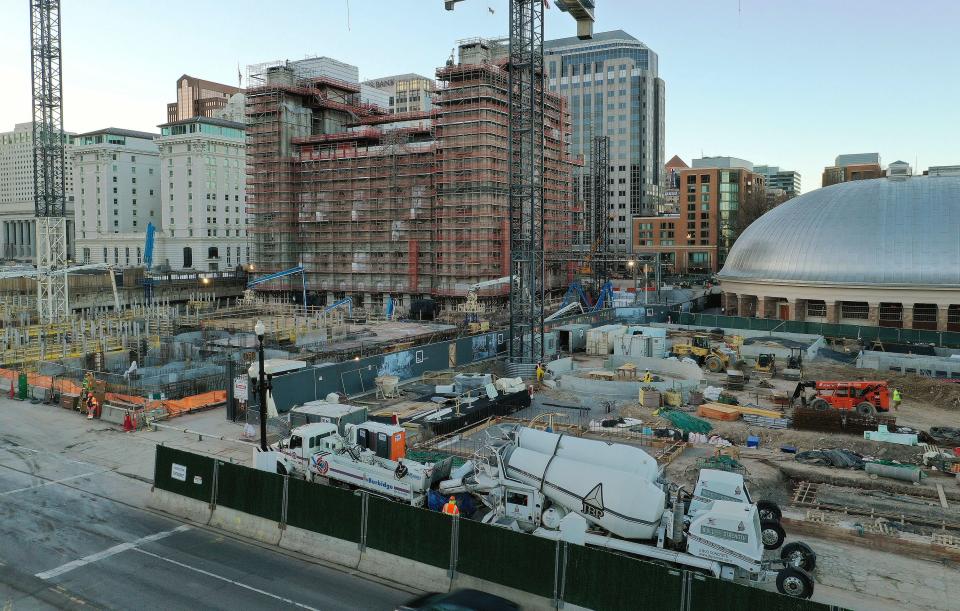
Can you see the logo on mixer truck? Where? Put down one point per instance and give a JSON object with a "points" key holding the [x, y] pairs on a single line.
{"points": [[593, 502]]}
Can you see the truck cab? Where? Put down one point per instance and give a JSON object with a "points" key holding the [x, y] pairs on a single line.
{"points": [[305, 441]]}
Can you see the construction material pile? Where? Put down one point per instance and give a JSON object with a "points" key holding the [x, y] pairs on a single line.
{"points": [[685, 422], [836, 421]]}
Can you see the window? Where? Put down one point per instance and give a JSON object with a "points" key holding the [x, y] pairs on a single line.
{"points": [[854, 309], [816, 309], [187, 257]]}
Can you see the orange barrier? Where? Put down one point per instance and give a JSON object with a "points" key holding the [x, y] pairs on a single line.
{"points": [[177, 407]]}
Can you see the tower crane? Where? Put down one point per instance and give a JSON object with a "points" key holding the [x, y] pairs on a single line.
{"points": [[49, 189], [526, 160]]}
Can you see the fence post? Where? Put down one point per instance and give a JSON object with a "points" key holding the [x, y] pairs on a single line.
{"points": [[559, 590], [454, 546], [283, 507], [362, 544], [216, 480]]}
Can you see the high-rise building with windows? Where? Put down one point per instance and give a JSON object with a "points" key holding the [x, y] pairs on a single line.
{"points": [[408, 92], [787, 181], [612, 87], [117, 177], [697, 238], [17, 213], [203, 218], [199, 98]]}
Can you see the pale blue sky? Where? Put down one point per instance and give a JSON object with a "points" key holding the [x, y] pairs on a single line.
{"points": [[784, 82]]}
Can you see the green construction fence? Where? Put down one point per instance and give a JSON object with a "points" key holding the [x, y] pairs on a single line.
{"points": [[402, 530], [323, 509], [588, 577], [184, 473], [948, 339]]}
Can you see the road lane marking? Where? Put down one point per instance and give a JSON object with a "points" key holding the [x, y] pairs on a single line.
{"points": [[228, 580], [53, 481], [116, 549]]}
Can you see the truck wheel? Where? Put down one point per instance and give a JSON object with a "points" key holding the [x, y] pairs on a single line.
{"points": [[771, 534], [799, 555], [820, 405], [769, 511], [866, 409], [795, 582], [714, 364]]}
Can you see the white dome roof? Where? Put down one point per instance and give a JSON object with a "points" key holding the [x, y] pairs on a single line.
{"points": [[867, 232]]}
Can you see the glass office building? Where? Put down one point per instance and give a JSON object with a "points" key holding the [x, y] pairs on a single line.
{"points": [[613, 89]]}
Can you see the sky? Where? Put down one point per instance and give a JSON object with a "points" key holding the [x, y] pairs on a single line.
{"points": [[791, 83]]}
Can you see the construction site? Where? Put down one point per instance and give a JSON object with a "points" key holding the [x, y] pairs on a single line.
{"points": [[431, 380], [405, 206]]}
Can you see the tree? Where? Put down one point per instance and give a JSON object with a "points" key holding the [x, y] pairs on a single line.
{"points": [[755, 204]]}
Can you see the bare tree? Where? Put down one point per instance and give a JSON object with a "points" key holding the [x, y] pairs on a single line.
{"points": [[757, 203]]}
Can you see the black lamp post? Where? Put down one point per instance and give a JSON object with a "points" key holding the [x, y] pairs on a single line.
{"points": [[259, 329]]}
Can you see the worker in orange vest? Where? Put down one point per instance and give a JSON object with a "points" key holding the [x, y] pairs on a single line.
{"points": [[450, 507], [92, 405]]}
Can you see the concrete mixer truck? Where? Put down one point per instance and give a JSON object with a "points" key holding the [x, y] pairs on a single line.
{"points": [[613, 496]]}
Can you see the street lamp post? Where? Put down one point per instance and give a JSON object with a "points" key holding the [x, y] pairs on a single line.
{"points": [[259, 329], [646, 283], [633, 265]]}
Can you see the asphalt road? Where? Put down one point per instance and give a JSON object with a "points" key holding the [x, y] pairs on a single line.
{"points": [[72, 535]]}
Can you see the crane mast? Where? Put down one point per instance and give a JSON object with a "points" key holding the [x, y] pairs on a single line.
{"points": [[48, 159]]}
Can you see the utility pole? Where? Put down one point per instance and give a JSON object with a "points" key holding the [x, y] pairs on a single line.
{"points": [[49, 190]]}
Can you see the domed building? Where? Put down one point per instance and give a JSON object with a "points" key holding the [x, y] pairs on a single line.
{"points": [[882, 252]]}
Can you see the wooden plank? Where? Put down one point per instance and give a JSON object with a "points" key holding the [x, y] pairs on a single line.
{"points": [[943, 496]]}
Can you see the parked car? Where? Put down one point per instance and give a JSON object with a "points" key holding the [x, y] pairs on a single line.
{"points": [[459, 600]]}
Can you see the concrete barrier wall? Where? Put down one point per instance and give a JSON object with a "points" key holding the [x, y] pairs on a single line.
{"points": [[403, 570], [180, 506], [329, 549], [240, 523]]}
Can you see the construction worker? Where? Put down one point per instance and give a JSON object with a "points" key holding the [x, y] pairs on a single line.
{"points": [[647, 377], [540, 372], [92, 405], [450, 507], [896, 398]]}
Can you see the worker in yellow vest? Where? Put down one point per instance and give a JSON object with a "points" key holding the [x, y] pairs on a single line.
{"points": [[896, 398], [450, 507], [540, 371], [647, 377]]}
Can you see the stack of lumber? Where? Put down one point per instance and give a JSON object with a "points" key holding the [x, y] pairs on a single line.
{"points": [[719, 411]]}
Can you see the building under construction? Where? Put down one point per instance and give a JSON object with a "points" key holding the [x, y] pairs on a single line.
{"points": [[410, 205]]}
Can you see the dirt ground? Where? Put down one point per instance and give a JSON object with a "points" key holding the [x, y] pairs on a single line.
{"points": [[850, 575]]}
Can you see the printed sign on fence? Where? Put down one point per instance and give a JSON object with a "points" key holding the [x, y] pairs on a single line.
{"points": [[178, 472], [240, 388]]}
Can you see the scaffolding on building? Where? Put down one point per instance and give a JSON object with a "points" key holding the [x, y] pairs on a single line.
{"points": [[407, 205]]}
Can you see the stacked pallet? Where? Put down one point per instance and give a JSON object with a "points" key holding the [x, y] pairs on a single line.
{"points": [[719, 411]]}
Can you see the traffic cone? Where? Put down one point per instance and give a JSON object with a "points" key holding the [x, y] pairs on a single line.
{"points": [[127, 423]]}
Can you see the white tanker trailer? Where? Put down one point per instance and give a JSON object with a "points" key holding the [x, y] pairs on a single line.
{"points": [[569, 489]]}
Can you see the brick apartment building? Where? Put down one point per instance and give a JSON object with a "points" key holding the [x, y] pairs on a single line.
{"points": [[697, 238]]}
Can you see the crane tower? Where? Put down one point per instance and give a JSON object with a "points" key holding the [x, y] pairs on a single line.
{"points": [[48, 159]]}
